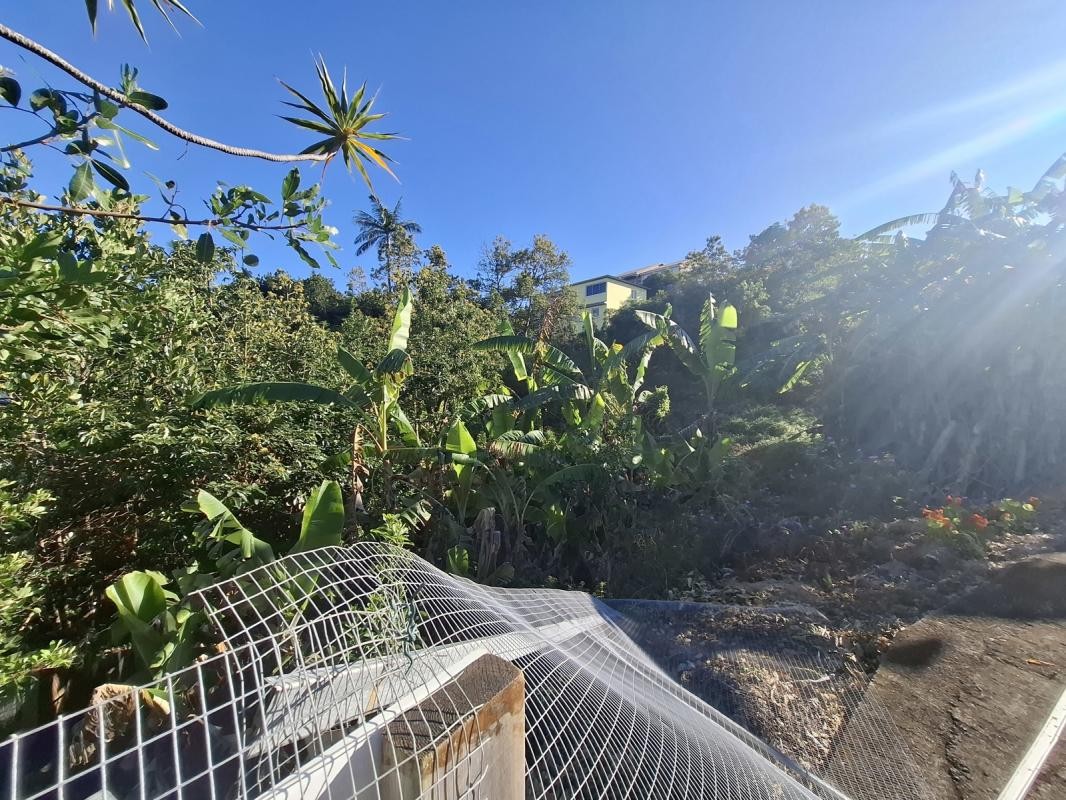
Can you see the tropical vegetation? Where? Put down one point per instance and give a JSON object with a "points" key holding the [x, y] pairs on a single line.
{"points": [[170, 415]]}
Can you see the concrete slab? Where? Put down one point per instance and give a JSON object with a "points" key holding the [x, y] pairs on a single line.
{"points": [[970, 687]]}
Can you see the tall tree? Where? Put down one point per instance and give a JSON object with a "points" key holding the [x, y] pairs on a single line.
{"points": [[496, 268], [390, 233], [325, 301], [712, 262], [531, 282]]}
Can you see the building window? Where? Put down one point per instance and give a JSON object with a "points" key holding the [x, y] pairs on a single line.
{"points": [[595, 288]]}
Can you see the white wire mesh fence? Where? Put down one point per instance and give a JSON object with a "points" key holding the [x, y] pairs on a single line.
{"points": [[785, 677], [336, 668]]}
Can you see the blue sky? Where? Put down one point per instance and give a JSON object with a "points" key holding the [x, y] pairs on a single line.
{"points": [[627, 131]]}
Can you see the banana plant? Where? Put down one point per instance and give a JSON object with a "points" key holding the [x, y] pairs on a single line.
{"points": [[153, 610], [549, 375], [713, 359], [609, 364], [374, 391], [374, 394], [690, 464]]}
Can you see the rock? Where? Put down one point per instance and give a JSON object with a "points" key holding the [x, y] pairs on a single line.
{"points": [[894, 571]]}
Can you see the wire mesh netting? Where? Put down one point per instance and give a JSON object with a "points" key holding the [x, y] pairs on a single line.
{"points": [[785, 677], [337, 670]]}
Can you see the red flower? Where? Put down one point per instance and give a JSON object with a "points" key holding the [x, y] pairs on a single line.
{"points": [[954, 501], [978, 521]]}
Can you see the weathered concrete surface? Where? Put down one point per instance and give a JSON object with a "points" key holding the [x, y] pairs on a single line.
{"points": [[1049, 785], [466, 740], [971, 686]]}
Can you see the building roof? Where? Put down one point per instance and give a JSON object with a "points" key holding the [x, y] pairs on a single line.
{"points": [[651, 269], [614, 278]]}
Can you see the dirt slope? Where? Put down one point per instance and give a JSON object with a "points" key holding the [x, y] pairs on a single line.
{"points": [[970, 687]]}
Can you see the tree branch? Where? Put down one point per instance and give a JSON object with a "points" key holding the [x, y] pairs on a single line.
{"points": [[41, 51], [42, 139], [210, 222]]}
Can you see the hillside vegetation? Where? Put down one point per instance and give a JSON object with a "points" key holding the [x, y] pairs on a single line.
{"points": [[171, 414]]}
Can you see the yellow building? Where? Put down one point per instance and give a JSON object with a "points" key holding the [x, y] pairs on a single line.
{"points": [[605, 293]]}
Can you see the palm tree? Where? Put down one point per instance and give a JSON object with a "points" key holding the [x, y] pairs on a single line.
{"points": [[383, 229]]}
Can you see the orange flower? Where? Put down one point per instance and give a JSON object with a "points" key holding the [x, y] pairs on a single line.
{"points": [[936, 517], [978, 521]]}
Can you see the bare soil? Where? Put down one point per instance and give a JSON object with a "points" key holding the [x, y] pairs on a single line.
{"points": [[828, 658], [970, 687]]}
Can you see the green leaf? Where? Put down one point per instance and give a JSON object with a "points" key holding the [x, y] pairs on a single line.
{"points": [[567, 391], [460, 444], [81, 184], [135, 18], [152, 102], [507, 343], [459, 440], [459, 561], [556, 360], [210, 506], [140, 599], [234, 237], [407, 430], [323, 518], [796, 377], [205, 248], [513, 345], [518, 443], [251, 260], [484, 403], [44, 245], [353, 366], [518, 363], [91, 9], [104, 107], [271, 392], [401, 322], [728, 318], [49, 98], [229, 529], [343, 121], [639, 344], [139, 595], [109, 125], [896, 224], [10, 89], [597, 410], [111, 175], [573, 473], [290, 184], [396, 363]]}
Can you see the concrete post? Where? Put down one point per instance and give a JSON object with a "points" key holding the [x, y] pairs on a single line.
{"points": [[464, 742]]}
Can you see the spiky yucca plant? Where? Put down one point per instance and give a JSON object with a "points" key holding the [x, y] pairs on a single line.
{"points": [[164, 7], [343, 121]]}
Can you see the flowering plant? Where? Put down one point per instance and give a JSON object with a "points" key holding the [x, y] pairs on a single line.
{"points": [[971, 528]]}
